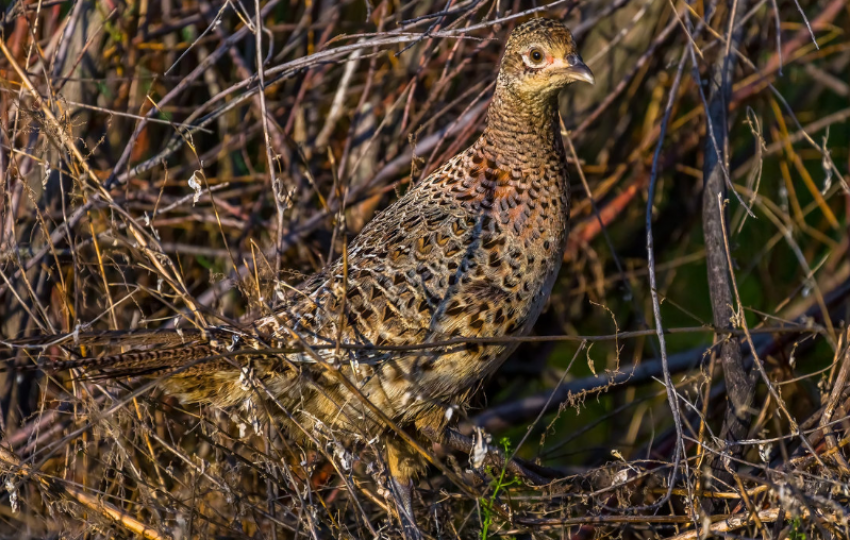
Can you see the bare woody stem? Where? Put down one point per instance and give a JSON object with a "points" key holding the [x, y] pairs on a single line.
{"points": [[739, 382]]}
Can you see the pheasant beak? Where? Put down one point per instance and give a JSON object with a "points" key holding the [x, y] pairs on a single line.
{"points": [[576, 69]]}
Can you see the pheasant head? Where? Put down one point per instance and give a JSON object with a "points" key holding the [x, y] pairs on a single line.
{"points": [[541, 58]]}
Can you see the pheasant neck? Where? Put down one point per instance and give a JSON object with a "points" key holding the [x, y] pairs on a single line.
{"points": [[521, 133]]}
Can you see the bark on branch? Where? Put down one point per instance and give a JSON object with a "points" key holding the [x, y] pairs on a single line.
{"points": [[739, 382]]}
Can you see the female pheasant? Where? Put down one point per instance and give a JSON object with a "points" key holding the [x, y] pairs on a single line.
{"points": [[471, 251]]}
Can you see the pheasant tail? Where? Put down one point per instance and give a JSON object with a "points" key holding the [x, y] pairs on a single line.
{"points": [[139, 363], [178, 350]]}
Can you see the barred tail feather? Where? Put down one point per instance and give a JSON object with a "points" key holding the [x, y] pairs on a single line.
{"points": [[129, 364], [137, 362]]}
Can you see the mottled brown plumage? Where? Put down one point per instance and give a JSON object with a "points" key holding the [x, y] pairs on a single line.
{"points": [[472, 250]]}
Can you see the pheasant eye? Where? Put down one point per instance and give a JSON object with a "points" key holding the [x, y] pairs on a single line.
{"points": [[534, 57]]}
